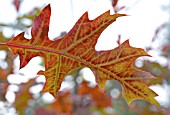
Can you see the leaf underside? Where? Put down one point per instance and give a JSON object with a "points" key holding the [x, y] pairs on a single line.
{"points": [[77, 50]]}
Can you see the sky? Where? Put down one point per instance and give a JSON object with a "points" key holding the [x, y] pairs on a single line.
{"points": [[144, 18]]}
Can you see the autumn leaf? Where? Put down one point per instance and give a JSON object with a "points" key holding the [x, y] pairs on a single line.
{"points": [[43, 111], [23, 96], [64, 103], [3, 90], [114, 3], [96, 94], [61, 106], [116, 7], [4, 72], [17, 4], [77, 50]]}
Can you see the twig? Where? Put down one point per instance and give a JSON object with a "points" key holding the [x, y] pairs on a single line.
{"points": [[1, 43]]}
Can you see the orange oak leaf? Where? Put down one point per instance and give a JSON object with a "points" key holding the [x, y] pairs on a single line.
{"points": [[77, 50], [64, 103], [96, 94]]}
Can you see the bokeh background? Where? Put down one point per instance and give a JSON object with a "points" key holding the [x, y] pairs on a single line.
{"points": [[147, 27]]}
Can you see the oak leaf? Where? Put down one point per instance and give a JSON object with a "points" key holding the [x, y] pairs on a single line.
{"points": [[64, 103], [77, 50], [17, 4], [96, 95], [23, 96]]}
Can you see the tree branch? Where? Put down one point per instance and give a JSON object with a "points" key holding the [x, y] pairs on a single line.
{"points": [[1, 43]]}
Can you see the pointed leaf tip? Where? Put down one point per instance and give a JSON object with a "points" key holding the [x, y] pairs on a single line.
{"points": [[48, 7], [120, 15]]}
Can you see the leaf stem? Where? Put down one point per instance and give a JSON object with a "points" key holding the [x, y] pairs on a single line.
{"points": [[1, 43]]}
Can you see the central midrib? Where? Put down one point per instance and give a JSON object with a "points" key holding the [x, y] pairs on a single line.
{"points": [[83, 61]]}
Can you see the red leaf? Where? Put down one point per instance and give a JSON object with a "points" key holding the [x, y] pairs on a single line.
{"points": [[96, 94], [17, 4], [114, 3], [64, 103]]}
